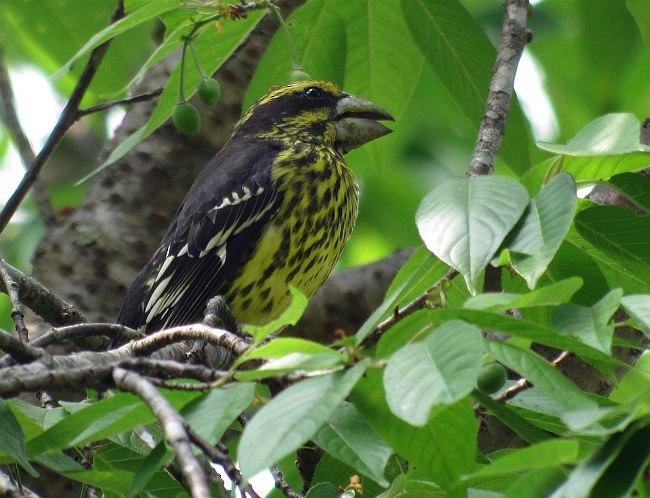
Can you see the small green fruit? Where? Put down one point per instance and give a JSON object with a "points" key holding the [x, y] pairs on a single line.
{"points": [[186, 118], [492, 378], [209, 91], [298, 75]]}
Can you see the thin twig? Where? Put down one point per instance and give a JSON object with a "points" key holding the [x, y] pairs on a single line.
{"points": [[173, 369], [68, 116], [523, 383], [173, 427], [282, 484], [16, 308], [20, 140], [222, 459], [141, 97], [514, 37]]}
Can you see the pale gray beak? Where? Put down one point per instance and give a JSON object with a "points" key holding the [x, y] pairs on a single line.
{"points": [[356, 122]]}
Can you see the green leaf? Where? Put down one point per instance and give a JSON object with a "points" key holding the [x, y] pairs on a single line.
{"points": [[633, 445], [379, 66], [540, 373], [283, 346], [12, 441], [211, 414], [621, 234], [440, 369], [634, 187], [290, 316], [635, 383], [149, 466], [591, 324], [311, 402], [641, 14], [536, 484], [323, 490], [318, 34], [545, 454], [542, 229], [147, 11], [464, 221], [605, 136], [462, 57], [527, 329], [442, 450], [107, 417], [572, 261], [347, 437], [511, 419], [585, 169], [551, 295], [637, 306]]}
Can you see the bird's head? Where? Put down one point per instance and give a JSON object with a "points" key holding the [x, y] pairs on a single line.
{"points": [[315, 112]]}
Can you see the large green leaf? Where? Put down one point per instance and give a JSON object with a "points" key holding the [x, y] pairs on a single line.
{"points": [[464, 220], [638, 307], [213, 413], [349, 438], [12, 441], [542, 229], [440, 369], [585, 169], [610, 472], [527, 329], [607, 135], [551, 295], [623, 236], [318, 34], [276, 431], [379, 65], [442, 450], [107, 417], [545, 454], [462, 57], [639, 9], [591, 324]]}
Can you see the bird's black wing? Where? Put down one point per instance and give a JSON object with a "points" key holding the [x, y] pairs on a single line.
{"points": [[217, 225]]}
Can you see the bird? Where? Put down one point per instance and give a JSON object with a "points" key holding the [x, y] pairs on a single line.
{"points": [[272, 209]]}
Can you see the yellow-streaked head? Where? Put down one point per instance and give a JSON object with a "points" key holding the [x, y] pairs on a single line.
{"points": [[314, 112]]}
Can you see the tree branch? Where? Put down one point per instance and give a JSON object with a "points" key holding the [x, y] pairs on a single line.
{"points": [[16, 308], [514, 37], [41, 300], [173, 427], [20, 140], [67, 118], [142, 97]]}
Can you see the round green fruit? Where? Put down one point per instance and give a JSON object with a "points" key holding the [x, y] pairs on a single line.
{"points": [[298, 75], [186, 118], [492, 378], [209, 91]]}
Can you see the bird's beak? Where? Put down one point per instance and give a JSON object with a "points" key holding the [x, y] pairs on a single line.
{"points": [[356, 122]]}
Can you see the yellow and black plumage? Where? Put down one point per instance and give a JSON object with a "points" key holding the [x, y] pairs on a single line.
{"points": [[273, 208]]}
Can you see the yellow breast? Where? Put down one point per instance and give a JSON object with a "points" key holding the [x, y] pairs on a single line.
{"points": [[303, 242]]}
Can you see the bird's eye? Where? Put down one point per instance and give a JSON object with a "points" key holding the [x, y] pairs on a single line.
{"points": [[313, 93]]}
